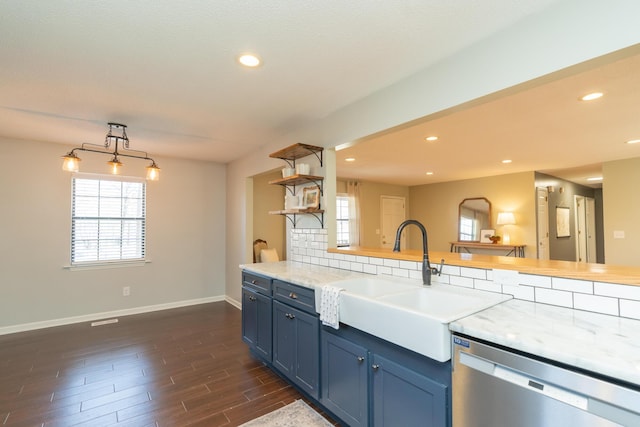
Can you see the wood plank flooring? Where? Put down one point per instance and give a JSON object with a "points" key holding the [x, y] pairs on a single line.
{"points": [[180, 367]]}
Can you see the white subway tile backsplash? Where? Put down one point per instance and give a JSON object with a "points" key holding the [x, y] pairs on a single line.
{"points": [[393, 263], [385, 270], [486, 285], [572, 285], [451, 270], [618, 291], [356, 266], [474, 273], [400, 272], [630, 308], [466, 282], [334, 263], [362, 259], [596, 303], [376, 261], [324, 262], [350, 258], [534, 280], [370, 269], [443, 279], [519, 292], [554, 297], [345, 265], [410, 265]]}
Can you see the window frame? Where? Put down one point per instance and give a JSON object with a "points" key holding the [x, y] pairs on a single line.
{"points": [[108, 263], [342, 220]]}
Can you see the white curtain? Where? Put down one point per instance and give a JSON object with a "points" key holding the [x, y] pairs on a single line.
{"points": [[353, 192]]}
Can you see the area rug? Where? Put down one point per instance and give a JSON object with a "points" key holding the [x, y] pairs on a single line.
{"points": [[295, 414]]}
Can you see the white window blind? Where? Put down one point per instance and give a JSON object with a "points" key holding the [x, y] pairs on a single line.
{"points": [[108, 220], [342, 219]]}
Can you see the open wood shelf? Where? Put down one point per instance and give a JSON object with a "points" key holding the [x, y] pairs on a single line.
{"points": [[296, 151]]}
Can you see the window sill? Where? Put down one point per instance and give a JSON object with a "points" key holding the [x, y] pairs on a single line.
{"points": [[106, 265]]}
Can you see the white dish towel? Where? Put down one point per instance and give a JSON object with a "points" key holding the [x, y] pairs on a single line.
{"points": [[330, 306]]}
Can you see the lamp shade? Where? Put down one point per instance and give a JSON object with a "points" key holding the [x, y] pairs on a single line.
{"points": [[506, 218]]}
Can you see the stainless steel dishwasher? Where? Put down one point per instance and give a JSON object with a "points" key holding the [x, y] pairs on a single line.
{"points": [[496, 387]]}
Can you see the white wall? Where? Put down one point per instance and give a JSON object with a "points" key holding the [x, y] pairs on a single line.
{"points": [[185, 237], [566, 34]]}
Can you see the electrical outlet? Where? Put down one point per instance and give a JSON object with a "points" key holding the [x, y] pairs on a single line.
{"points": [[126, 291]]}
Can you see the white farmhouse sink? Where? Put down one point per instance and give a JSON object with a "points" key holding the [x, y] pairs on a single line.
{"points": [[409, 314]]}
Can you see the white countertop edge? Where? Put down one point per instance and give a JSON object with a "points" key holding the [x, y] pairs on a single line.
{"points": [[604, 344]]}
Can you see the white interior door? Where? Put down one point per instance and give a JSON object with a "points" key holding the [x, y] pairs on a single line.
{"points": [[392, 213], [581, 229], [542, 204], [590, 205]]}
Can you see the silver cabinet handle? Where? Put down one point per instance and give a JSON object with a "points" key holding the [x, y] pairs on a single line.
{"points": [[290, 316], [375, 367], [252, 298], [360, 359], [293, 295], [253, 282]]}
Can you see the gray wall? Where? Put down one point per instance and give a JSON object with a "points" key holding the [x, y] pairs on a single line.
{"points": [[185, 238]]}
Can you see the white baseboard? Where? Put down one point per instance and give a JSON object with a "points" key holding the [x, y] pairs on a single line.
{"points": [[108, 314], [236, 304]]}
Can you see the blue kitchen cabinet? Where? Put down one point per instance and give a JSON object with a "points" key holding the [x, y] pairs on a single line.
{"points": [[370, 382], [399, 393], [257, 314], [296, 336], [344, 367]]}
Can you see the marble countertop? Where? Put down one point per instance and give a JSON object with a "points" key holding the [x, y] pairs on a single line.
{"points": [[307, 275], [599, 343]]}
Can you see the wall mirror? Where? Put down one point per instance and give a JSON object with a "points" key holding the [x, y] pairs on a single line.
{"points": [[474, 215]]}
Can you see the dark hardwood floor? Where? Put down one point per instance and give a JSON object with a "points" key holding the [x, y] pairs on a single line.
{"points": [[180, 367]]}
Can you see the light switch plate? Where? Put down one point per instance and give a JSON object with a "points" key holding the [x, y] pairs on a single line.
{"points": [[505, 277], [618, 234]]}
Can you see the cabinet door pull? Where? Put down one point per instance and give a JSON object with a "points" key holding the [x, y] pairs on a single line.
{"points": [[254, 282], [360, 359], [289, 316], [252, 298], [375, 367], [293, 295]]}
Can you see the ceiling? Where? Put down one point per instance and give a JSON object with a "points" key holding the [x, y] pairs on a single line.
{"points": [[168, 69], [540, 127]]}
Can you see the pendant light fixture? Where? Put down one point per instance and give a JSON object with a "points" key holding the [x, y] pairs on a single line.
{"points": [[117, 135]]}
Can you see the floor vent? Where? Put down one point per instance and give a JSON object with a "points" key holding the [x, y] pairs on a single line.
{"points": [[104, 322]]}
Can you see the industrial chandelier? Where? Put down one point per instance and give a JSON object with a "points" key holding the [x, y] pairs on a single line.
{"points": [[117, 134]]}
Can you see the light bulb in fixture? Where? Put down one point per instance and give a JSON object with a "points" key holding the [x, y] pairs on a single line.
{"points": [[70, 162], [114, 165], [350, 159], [633, 141], [249, 60], [591, 96], [506, 161], [431, 138], [429, 173], [153, 172]]}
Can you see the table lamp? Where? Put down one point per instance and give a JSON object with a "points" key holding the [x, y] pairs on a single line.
{"points": [[505, 219]]}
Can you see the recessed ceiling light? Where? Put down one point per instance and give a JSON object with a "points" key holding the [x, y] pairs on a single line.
{"points": [[350, 159], [506, 161], [429, 173], [592, 96], [633, 141], [431, 138], [249, 60], [595, 178]]}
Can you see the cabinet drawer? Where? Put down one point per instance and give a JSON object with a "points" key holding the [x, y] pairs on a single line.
{"points": [[259, 283], [294, 295]]}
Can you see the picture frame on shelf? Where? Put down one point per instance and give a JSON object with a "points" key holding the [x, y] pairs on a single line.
{"points": [[311, 197], [485, 236]]}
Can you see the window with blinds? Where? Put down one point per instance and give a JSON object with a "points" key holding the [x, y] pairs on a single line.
{"points": [[108, 220]]}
